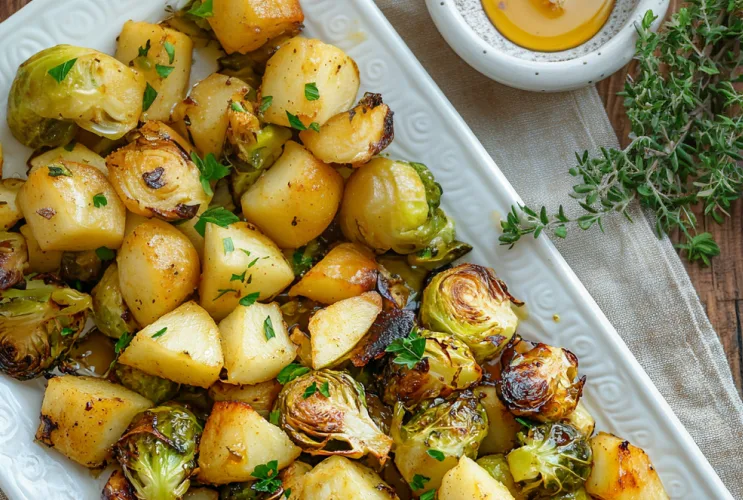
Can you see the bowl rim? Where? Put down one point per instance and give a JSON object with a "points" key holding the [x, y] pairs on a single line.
{"points": [[541, 76]]}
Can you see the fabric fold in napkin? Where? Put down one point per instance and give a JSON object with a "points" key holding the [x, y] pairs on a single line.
{"points": [[637, 280]]}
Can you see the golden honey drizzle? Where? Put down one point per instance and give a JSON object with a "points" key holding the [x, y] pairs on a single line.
{"points": [[545, 25]]}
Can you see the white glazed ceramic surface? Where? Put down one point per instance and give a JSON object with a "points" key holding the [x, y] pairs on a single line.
{"points": [[466, 27], [428, 129]]}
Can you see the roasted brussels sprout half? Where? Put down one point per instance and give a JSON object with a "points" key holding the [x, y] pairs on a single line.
{"points": [[539, 381], [394, 205], [63, 87], [158, 450], [552, 459], [471, 303], [155, 175], [324, 412], [154, 388], [447, 366], [110, 312], [13, 259], [434, 435], [39, 325], [497, 466], [84, 266], [251, 152]]}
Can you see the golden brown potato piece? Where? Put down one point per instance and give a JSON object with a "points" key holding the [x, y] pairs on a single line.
{"points": [[622, 471], [469, 481], [40, 261], [296, 200], [10, 213], [62, 205], [341, 478], [158, 270], [204, 113], [502, 425], [77, 154], [346, 271], [83, 417], [168, 75], [245, 25], [302, 61], [354, 136], [259, 396], [155, 176], [182, 346], [236, 439]]}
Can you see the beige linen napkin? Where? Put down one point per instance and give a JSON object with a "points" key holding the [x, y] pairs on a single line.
{"points": [[533, 139]]}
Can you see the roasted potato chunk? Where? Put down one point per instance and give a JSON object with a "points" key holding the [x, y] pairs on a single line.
{"points": [[83, 417], [301, 61], [78, 153], [236, 439], [355, 136], [469, 481], [259, 396], [296, 200], [502, 425], [63, 205], [245, 25], [167, 72], [10, 212], [622, 471], [155, 175], [339, 477], [158, 269], [40, 261]]}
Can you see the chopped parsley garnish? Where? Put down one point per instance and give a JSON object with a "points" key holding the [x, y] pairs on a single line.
{"points": [[268, 328], [409, 350], [150, 94], [59, 73], [310, 92], [238, 277], [70, 146], [143, 51], [274, 417], [266, 102], [252, 263], [419, 482], [228, 245], [429, 495], [105, 254], [295, 122], [290, 372], [160, 333], [314, 126], [216, 215], [99, 200], [164, 71], [311, 389], [267, 474], [438, 455], [211, 170], [202, 10], [236, 106], [250, 299], [170, 49], [123, 342], [325, 389], [67, 331], [223, 291], [59, 170]]}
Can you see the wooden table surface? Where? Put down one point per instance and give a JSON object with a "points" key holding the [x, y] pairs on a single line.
{"points": [[718, 286]]}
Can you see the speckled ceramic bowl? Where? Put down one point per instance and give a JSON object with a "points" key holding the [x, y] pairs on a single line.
{"points": [[466, 27]]}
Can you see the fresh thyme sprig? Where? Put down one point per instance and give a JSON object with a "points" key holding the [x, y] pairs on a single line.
{"points": [[686, 140]]}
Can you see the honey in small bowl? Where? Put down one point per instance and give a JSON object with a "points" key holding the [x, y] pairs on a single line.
{"points": [[548, 25]]}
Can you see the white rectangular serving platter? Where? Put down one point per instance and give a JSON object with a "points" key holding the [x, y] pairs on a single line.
{"points": [[427, 129]]}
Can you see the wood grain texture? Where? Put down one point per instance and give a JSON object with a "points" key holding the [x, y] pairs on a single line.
{"points": [[718, 286]]}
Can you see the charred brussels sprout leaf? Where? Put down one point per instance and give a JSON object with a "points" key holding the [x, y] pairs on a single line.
{"points": [[158, 450], [552, 459], [447, 365], [39, 325], [539, 381], [454, 426], [110, 312], [394, 205], [154, 388], [338, 424], [13, 259], [50, 97], [471, 303]]}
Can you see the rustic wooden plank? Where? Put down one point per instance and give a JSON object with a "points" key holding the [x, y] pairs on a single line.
{"points": [[718, 286]]}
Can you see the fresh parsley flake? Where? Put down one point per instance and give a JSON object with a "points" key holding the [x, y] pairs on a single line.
{"points": [[170, 49], [419, 482], [143, 51], [524, 422], [70, 146], [150, 94], [123, 342], [59, 73], [211, 170], [59, 170], [325, 389], [216, 215], [428, 495], [267, 475], [268, 328], [202, 10], [99, 200], [223, 291], [67, 331], [105, 254], [160, 333], [250, 299], [238, 277], [314, 126], [164, 71], [252, 263], [301, 262], [310, 92], [409, 350], [274, 417], [246, 252], [236, 106], [290, 372], [287, 492], [228, 245], [295, 122], [266, 102], [438, 455], [310, 390]]}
